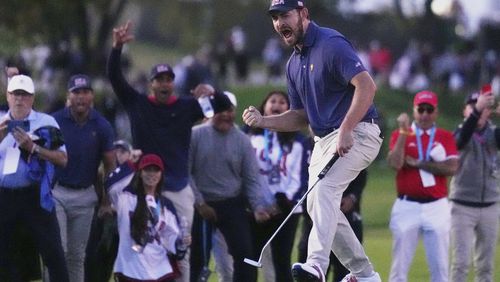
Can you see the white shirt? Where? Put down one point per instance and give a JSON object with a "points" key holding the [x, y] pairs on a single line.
{"points": [[289, 161], [152, 262]]}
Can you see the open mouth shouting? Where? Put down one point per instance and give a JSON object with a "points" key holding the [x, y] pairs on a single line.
{"points": [[286, 33]]}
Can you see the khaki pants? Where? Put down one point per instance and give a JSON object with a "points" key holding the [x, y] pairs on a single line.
{"points": [[331, 230], [474, 233]]}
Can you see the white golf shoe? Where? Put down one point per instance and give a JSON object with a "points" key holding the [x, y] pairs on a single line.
{"points": [[306, 272], [375, 277]]}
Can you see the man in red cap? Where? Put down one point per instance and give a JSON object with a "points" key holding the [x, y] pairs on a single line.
{"points": [[423, 156]]}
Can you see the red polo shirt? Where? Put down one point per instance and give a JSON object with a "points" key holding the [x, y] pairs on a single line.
{"points": [[408, 180]]}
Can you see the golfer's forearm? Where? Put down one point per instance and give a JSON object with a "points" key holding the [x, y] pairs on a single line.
{"points": [[291, 120]]}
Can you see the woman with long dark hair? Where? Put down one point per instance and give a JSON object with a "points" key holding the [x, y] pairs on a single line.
{"points": [[282, 159], [150, 233]]}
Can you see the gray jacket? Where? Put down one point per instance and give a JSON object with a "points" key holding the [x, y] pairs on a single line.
{"points": [[476, 181]]}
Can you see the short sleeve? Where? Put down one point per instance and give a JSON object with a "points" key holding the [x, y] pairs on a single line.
{"points": [[344, 60]]}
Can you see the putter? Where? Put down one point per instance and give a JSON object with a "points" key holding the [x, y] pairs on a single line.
{"points": [[320, 176]]}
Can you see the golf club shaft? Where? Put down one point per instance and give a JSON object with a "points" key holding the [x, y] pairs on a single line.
{"points": [[322, 174]]}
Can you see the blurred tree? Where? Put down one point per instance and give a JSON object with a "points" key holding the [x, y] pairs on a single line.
{"points": [[87, 23]]}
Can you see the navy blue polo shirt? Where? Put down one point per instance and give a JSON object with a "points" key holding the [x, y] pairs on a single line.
{"points": [[85, 145], [319, 78]]}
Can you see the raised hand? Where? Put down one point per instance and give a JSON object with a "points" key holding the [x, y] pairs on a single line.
{"points": [[203, 90], [485, 101], [403, 121], [122, 35], [11, 71]]}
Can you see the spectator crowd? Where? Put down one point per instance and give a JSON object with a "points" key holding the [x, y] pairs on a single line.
{"points": [[150, 178]]}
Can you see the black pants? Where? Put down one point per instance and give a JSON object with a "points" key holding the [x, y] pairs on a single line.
{"points": [[234, 224], [281, 245], [102, 248], [23, 206]]}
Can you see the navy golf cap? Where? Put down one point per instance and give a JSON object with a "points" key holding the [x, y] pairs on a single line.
{"points": [[161, 68], [280, 6], [79, 81]]}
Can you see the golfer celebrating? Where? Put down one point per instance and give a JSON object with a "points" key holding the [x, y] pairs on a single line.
{"points": [[330, 90]]}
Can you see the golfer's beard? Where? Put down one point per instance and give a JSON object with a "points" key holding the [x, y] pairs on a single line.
{"points": [[298, 34]]}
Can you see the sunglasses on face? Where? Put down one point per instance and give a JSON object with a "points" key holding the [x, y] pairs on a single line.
{"points": [[428, 109]]}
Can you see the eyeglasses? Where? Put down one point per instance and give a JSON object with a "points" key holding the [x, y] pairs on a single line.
{"points": [[428, 109]]}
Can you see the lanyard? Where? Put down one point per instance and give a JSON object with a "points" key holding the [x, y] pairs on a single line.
{"points": [[158, 209], [429, 146], [268, 142], [155, 212]]}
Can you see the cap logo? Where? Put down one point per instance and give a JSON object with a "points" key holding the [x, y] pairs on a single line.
{"points": [[162, 68], [80, 82], [277, 2]]}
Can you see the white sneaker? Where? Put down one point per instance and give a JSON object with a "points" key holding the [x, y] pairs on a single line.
{"points": [[306, 272], [375, 277]]}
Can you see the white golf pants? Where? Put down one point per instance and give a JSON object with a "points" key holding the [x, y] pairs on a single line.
{"points": [[409, 221]]}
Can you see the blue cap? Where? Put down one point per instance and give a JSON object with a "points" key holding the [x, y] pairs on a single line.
{"points": [[161, 68], [280, 6], [79, 81]]}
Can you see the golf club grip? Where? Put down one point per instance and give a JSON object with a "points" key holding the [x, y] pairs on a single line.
{"points": [[328, 166]]}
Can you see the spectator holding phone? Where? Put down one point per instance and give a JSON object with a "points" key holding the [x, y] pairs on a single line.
{"points": [[474, 194], [25, 178]]}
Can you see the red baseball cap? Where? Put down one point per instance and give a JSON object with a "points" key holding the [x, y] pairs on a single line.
{"points": [[151, 159], [425, 97]]}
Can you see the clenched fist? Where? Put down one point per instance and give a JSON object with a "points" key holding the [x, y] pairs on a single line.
{"points": [[252, 117]]}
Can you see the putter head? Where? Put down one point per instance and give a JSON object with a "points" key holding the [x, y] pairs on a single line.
{"points": [[253, 263]]}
